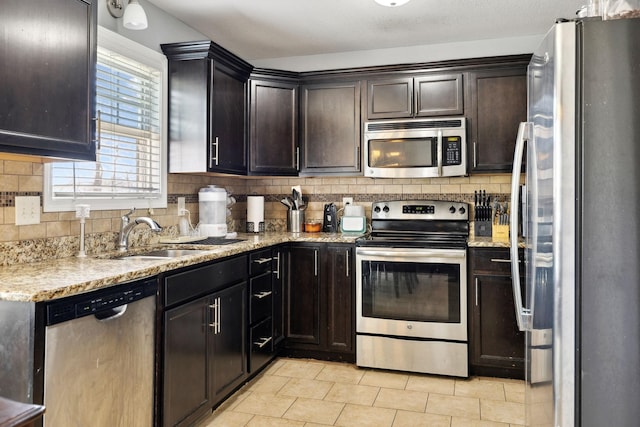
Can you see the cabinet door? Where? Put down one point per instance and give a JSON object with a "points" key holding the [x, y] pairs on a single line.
{"points": [[439, 95], [390, 98], [185, 387], [228, 361], [47, 95], [279, 269], [303, 295], [273, 128], [330, 128], [228, 145], [338, 283], [498, 105]]}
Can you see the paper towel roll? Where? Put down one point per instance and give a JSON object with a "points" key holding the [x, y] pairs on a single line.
{"points": [[255, 212]]}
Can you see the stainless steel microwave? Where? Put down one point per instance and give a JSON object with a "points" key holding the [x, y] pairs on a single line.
{"points": [[419, 148]]}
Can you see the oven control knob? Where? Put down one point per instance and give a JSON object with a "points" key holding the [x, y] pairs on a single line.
{"points": [[462, 210], [376, 209], [409, 326], [385, 209], [452, 209]]}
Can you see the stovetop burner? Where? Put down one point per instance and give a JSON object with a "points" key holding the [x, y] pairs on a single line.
{"points": [[418, 223]]}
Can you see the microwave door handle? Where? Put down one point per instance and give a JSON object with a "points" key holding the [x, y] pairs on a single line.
{"points": [[439, 154]]}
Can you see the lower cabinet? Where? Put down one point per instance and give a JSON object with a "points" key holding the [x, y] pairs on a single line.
{"points": [[319, 310], [496, 343], [204, 338]]}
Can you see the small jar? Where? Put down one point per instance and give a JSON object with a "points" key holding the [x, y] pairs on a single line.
{"points": [[312, 226]]}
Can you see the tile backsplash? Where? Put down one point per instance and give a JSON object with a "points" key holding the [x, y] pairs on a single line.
{"points": [[57, 234]]}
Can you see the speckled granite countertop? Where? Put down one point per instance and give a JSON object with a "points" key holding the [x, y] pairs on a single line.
{"points": [[43, 281], [487, 242]]}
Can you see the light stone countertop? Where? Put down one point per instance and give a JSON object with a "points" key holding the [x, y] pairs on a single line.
{"points": [[57, 278]]}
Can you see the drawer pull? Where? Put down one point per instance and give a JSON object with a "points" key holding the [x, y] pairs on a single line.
{"points": [[262, 260], [263, 294], [502, 260], [264, 341]]}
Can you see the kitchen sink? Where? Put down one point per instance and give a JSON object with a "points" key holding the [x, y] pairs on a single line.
{"points": [[160, 254]]}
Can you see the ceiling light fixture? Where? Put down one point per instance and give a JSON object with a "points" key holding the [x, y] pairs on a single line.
{"points": [[392, 3], [133, 15]]}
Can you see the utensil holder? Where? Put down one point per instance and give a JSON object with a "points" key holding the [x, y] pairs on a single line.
{"points": [[295, 221]]}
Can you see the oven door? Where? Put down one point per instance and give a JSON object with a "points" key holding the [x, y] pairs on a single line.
{"points": [[417, 293]]}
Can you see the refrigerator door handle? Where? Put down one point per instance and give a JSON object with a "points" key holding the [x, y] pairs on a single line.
{"points": [[523, 315]]}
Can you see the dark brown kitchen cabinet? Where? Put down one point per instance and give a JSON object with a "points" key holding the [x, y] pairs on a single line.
{"points": [[320, 302], [330, 128], [273, 128], [204, 356], [207, 109], [497, 105], [420, 96], [496, 343], [47, 95]]}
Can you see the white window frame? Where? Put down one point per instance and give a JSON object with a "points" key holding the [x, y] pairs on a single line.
{"points": [[116, 43]]}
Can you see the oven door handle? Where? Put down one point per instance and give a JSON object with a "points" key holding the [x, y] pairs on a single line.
{"points": [[454, 254]]}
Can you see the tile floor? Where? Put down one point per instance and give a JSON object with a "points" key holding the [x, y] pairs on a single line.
{"points": [[311, 393]]}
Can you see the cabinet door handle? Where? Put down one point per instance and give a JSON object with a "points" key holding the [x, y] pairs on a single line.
{"points": [[502, 260], [214, 315], [213, 148], [261, 261], [219, 316], [297, 158], [277, 272], [263, 294], [476, 291], [315, 262], [346, 260], [263, 341], [475, 155], [98, 139], [358, 157]]}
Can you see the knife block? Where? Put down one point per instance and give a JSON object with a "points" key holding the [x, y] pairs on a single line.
{"points": [[482, 228]]}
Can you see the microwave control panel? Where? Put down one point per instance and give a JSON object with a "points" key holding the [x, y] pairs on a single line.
{"points": [[452, 150]]}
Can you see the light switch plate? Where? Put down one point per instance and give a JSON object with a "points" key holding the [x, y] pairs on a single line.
{"points": [[27, 210]]}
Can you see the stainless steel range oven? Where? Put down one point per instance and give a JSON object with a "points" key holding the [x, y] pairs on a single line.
{"points": [[411, 288]]}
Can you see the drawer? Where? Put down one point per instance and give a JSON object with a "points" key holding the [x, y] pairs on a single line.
{"points": [[203, 280], [260, 297], [261, 344], [494, 260], [260, 262]]}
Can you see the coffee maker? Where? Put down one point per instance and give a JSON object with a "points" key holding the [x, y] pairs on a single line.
{"points": [[330, 219]]}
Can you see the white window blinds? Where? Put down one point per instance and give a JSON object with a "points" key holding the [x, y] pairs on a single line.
{"points": [[129, 162]]}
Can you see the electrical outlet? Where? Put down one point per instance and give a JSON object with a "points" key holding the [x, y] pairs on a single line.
{"points": [[181, 206], [27, 210], [347, 201]]}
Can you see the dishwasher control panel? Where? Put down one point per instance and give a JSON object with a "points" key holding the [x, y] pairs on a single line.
{"points": [[76, 306]]}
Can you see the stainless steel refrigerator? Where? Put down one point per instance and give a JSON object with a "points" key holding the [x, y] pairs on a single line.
{"points": [[580, 303]]}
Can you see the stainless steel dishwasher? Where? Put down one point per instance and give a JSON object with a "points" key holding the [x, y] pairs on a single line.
{"points": [[99, 357]]}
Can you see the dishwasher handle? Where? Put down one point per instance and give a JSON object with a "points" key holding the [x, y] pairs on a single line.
{"points": [[111, 313]]}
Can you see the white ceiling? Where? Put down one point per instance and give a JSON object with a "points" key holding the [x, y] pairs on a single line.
{"points": [[258, 30]]}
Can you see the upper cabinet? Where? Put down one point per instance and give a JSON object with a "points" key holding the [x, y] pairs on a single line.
{"points": [[47, 95], [419, 96], [331, 123], [273, 126], [498, 103], [207, 109]]}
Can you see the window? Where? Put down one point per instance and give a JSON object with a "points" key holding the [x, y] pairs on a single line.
{"points": [[130, 169]]}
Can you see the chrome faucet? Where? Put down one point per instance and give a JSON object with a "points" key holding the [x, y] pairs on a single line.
{"points": [[126, 226]]}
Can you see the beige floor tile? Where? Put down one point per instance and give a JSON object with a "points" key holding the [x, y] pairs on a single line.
{"points": [[317, 425], [266, 404], [468, 407], [341, 373], [314, 411], [260, 421], [467, 422], [385, 379], [431, 384], [268, 384], [234, 400], [414, 419], [302, 368], [274, 366], [480, 388], [353, 393], [302, 387], [228, 419], [504, 412], [401, 399], [365, 416]]}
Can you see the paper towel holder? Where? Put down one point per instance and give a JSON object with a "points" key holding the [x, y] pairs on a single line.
{"points": [[255, 214]]}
